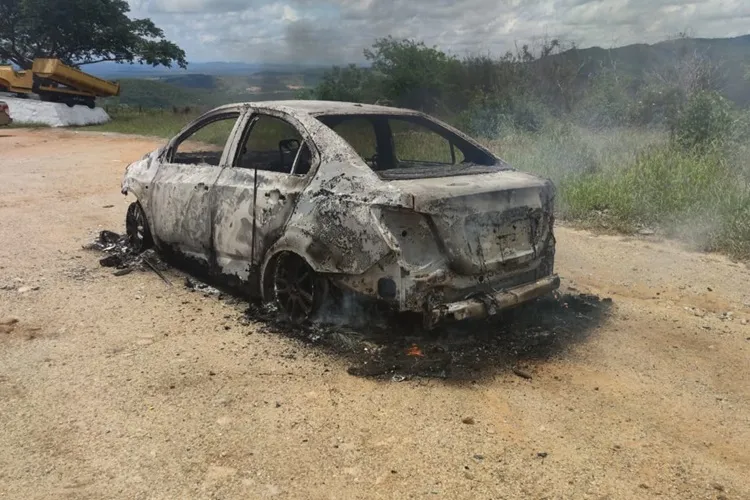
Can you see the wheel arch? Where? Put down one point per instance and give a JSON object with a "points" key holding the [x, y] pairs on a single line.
{"points": [[139, 175], [318, 256]]}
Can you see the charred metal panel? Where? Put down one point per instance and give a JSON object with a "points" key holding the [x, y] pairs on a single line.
{"points": [[441, 241], [181, 206], [233, 221], [138, 179], [334, 212]]}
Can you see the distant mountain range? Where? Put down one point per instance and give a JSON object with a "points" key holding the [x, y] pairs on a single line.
{"points": [[210, 83], [731, 55], [115, 71]]}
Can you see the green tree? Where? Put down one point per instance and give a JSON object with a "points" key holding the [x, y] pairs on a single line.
{"points": [[411, 74], [81, 32], [705, 119], [349, 83]]}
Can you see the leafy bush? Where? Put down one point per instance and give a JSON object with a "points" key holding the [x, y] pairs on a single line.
{"points": [[477, 89], [494, 116], [700, 196], [349, 83], [411, 74], [606, 102], [704, 120], [656, 105]]}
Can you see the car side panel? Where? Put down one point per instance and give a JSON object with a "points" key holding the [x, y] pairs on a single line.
{"points": [[240, 244], [181, 207], [138, 179], [333, 219], [181, 198]]}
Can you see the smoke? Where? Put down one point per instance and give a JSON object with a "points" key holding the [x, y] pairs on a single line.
{"points": [[315, 42], [345, 309]]}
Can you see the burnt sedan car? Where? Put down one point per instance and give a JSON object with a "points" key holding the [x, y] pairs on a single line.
{"points": [[298, 201]]}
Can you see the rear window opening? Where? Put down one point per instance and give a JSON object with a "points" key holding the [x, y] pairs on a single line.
{"points": [[410, 147]]}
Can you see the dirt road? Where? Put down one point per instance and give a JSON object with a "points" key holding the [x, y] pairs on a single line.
{"points": [[124, 387]]}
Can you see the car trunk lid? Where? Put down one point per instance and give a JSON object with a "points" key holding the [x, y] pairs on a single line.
{"points": [[488, 222]]}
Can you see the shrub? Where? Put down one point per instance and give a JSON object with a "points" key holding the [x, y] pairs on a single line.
{"points": [[656, 105], [606, 102], [700, 196], [705, 119], [492, 116], [350, 83]]}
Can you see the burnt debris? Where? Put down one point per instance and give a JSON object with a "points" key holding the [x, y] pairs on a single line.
{"points": [[380, 344], [122, 258], [396, 348]]}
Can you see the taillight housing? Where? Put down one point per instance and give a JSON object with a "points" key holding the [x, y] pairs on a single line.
{"points": [[3, 107], [409, 233]]}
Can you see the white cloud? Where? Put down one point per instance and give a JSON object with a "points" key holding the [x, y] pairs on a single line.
{"points": [[337, 31], [290, 15]]}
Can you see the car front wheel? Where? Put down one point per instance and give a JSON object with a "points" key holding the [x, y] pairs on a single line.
{"points": [[136, 225]]}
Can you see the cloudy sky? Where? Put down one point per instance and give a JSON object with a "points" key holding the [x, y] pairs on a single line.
{"points": [[336, 31]]}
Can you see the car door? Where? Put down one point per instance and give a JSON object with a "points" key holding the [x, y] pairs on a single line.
{"points": [[181, 196], [258, 193]]}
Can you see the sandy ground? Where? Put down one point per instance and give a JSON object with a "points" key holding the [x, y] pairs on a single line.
{"points": [[124, 387]]}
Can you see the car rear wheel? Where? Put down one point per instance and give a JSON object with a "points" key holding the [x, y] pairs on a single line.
{"points": [[136, 225], [297, 289]]}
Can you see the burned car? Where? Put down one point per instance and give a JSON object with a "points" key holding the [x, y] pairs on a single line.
{"points": [[300, 201]]}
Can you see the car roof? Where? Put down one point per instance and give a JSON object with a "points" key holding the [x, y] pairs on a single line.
{"points": [[319, 108]]}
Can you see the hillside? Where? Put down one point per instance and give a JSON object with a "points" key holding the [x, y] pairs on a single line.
{"points": [[208, 84], [638, 61], [115, 71], [154, 93], [203, 90]]}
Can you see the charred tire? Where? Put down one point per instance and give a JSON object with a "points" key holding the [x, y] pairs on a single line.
{"points": [[298, 290], [136, 225]]}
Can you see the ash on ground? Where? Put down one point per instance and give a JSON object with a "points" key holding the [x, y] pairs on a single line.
{"points": [[398, 349], [393, 347]]}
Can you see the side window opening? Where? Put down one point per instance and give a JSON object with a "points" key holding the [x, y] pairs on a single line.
{"points": [[205, 145], [415, 143], [275, 145], [360, 134]]}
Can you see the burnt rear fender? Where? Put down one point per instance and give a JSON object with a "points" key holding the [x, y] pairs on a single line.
{"points": [[322, 255], [333, 225]]}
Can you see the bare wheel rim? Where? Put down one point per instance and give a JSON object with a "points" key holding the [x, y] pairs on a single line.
{"points": [[136, 227], [296, 287]]}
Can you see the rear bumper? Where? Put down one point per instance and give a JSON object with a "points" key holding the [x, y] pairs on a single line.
{"points": [[490, 304]]}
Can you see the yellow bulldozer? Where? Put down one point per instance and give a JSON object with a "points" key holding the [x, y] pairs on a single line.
{"points": [[54, 81]]}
